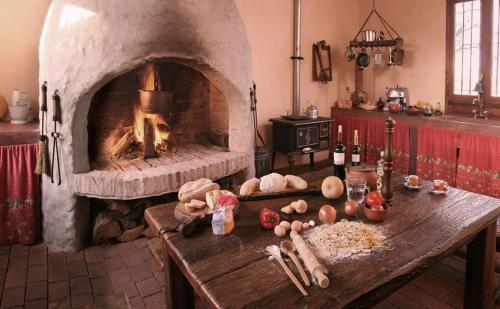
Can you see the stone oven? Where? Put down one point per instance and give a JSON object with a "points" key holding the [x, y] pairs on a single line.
{"points": [[99, 54]]}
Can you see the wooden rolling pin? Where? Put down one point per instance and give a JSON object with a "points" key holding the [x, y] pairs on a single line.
{"points": [[311, 262]]}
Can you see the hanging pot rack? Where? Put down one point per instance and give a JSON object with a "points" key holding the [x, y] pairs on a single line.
{"points": [[395, 38]]}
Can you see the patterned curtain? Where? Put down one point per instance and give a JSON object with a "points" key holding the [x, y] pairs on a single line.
{"points": [[437, 154], [401, 143], [479, 164], [19, 195], [375, 139]]}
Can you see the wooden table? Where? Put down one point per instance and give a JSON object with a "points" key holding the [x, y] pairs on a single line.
{"points": [[234, 272]]}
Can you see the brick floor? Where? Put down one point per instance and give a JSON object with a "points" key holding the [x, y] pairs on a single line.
{"points": [[120, 275]]}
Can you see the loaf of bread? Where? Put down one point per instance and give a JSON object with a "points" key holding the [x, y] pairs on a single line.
{"points": [[273, 182], [249, 186], [194, 205], [196, 189], [296, 182]]}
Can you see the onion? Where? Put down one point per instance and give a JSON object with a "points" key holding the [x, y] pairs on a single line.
{"points": [[351, 208], [327, 214]]}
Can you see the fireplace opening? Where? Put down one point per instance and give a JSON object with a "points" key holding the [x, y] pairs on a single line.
{"points": [[194, 113]]}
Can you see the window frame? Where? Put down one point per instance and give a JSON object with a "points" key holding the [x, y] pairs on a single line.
{"points": [[463, 103]]}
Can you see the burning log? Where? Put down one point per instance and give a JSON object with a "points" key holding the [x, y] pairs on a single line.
{"points": [[123, 143], [131, 234], [149, 139]]}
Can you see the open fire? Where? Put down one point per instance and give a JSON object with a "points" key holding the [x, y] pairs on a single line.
{"points": [[150, 136]]}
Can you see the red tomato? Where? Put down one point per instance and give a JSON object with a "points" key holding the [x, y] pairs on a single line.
{"points": [[377, 207], [374, 198]]}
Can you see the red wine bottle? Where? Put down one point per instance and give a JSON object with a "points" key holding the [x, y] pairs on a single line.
{"points": [[356, 150], [339, 157]]}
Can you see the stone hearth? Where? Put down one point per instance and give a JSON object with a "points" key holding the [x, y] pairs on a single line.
{"points": [[85, 45]]}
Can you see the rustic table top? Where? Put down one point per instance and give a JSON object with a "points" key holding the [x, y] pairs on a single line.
{"points": [[234, 271]]}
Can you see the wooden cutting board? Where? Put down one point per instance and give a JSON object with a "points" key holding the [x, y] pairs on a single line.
{"points": [[259, 195]]}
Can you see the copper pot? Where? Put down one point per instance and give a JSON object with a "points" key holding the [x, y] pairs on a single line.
{"points": [[366, 172]]}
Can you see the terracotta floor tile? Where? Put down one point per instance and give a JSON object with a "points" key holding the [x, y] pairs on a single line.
{"points": [[160, 278], [93, 255], [36, 290], [59, 291], [37, 273], [82, 301], [137, 303], [139, 272], [37, 258], [106, 301], [19, 250], [109, 251], [114, 263], [97, 270], [132, 260], [15, 279], [156, 301], [13, 297], [145, 253], [127, 288], [119, 276], [36, 304], [80, 285], [4, 261], [126, 249], [57, 272], [101, 286], [40, 247], [18, 263], [141, 242], [75, 256], [148, 287], [57, 258], [4, 250], [77, 269], [66, 304]]}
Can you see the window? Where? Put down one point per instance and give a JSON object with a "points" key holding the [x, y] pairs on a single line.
{"points": [[473, 51]]}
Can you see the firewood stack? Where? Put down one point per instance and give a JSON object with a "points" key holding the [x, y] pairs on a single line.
{"points": [[120, 220]]}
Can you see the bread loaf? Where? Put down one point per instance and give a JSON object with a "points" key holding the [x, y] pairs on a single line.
{"points": [[249, 186], [296, 182], [194, 205], [196, 189], [273, 182]]}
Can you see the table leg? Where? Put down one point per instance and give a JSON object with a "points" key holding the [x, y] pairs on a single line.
{"points": [[291, 162], [311, 159], [480, 269], [178, 292]]}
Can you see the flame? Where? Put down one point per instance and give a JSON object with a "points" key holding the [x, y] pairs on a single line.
{"points": [[159, 123]]}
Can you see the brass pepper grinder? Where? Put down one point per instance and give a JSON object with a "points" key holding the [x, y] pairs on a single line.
{"points": [[387, 179], [56, 117]]}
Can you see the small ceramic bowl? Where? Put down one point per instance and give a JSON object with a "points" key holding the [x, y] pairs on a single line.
{"points": [[376, 215]]}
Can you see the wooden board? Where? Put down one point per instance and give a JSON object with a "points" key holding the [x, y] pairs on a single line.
{"points": [[259, 195]]}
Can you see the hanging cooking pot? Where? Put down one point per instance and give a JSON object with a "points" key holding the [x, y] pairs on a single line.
{"points": [[398, 56], [363, 59], [157, 101]]}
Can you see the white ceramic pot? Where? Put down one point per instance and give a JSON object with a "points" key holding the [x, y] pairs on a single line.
{"points": [[20, 114]]}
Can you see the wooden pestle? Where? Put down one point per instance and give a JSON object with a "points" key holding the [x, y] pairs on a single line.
{"points": [[311, 262]]}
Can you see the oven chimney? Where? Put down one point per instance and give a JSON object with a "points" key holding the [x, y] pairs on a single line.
{"points": [[296, 58]]}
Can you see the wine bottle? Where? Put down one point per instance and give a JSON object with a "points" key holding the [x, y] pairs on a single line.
{"points": [[339, 157], [356, 150]]}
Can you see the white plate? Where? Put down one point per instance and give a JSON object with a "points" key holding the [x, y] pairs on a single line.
{"points": [[412, 187], [439, 192]]}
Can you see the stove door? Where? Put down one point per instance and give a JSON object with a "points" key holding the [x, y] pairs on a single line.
{"points": [[307, 136]]}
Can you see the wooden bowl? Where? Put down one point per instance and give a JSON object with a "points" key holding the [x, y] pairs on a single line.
{"points": [[376, 215], [366, 172]]}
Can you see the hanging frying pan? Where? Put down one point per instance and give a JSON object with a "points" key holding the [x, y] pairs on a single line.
{"points": [[398, 56], [363, 59]]}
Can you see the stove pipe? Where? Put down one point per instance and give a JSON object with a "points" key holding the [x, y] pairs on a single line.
{"points": [[296, 58]]}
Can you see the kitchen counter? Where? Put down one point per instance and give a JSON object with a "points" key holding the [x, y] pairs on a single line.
{"points": [[16, 134], [458, 123]]}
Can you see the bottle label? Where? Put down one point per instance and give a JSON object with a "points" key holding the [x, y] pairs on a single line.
{"points": [[338, 158], [356, 158]]}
